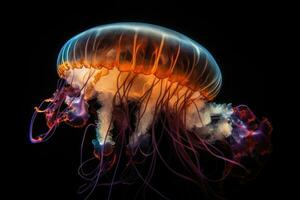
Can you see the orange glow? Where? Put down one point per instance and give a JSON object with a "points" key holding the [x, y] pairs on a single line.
{"points": [[149, 52]]}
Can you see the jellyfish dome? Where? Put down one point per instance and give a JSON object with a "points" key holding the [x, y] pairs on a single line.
{"points": [[143, 49], [124, 78]]}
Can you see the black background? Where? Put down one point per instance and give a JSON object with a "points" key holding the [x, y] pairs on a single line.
{"points": [[244, 39]]}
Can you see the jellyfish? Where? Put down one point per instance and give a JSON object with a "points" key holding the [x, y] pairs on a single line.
{"points": [[123, 79]]}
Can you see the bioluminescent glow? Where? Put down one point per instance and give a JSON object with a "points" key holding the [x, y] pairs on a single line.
{"points": [[140, 82]]}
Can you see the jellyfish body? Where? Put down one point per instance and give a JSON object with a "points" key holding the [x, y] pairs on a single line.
{"points": [[168, 78]]}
